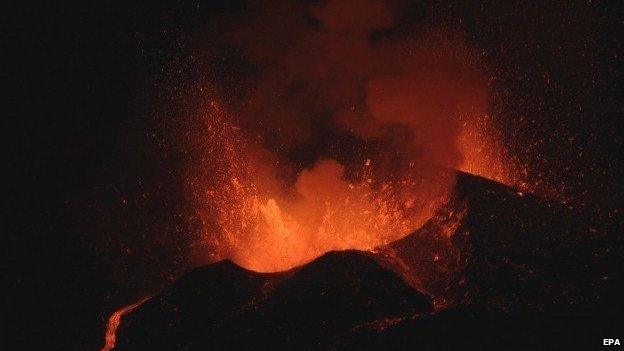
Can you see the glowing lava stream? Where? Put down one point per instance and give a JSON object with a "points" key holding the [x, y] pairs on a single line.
{"points": [[115, 319]]}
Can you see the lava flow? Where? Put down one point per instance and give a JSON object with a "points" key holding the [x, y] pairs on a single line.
{"points": [[114, 321]]}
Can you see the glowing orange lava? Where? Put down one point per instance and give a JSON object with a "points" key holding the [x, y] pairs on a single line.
{"points": [[250, 216], [113, 323]]}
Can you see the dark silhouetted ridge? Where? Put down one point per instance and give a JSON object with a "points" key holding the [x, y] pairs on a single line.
{"points": [[224, 306], [497, 262]]}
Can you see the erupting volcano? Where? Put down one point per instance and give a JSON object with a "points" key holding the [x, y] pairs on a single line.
{"points": [[320, 174], [340, 136], [326, 176]]}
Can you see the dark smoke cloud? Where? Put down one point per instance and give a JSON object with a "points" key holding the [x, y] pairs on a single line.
{"points": [[343, 119], [331, 77]]}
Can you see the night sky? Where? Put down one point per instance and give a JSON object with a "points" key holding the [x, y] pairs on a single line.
{"points": [[95, 192]]}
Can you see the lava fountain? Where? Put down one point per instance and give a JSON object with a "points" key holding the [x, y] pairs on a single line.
{"points": [[266, 225], [340, 137]]}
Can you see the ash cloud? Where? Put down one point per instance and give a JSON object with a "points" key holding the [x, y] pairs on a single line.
{"points": [[348, 80], [345, 117]]}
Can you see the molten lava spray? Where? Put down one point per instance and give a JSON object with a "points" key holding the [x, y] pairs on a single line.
{"points": [[268, 225], [339, 136]]}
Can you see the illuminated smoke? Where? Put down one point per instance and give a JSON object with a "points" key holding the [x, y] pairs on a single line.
{"points": [[337, 137]]}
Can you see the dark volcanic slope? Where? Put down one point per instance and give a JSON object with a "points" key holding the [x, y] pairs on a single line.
{"points": [[516, 272], [192, 306], [223, 306], [505, 265], [473, 328], [496, 247]]}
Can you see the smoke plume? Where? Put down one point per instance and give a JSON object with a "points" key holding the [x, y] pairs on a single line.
{"points": [[333, 131]]}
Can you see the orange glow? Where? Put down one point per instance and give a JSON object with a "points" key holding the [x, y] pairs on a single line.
{"points": [[253, 218], [114, 321], [247, 213], [337, 141]]}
